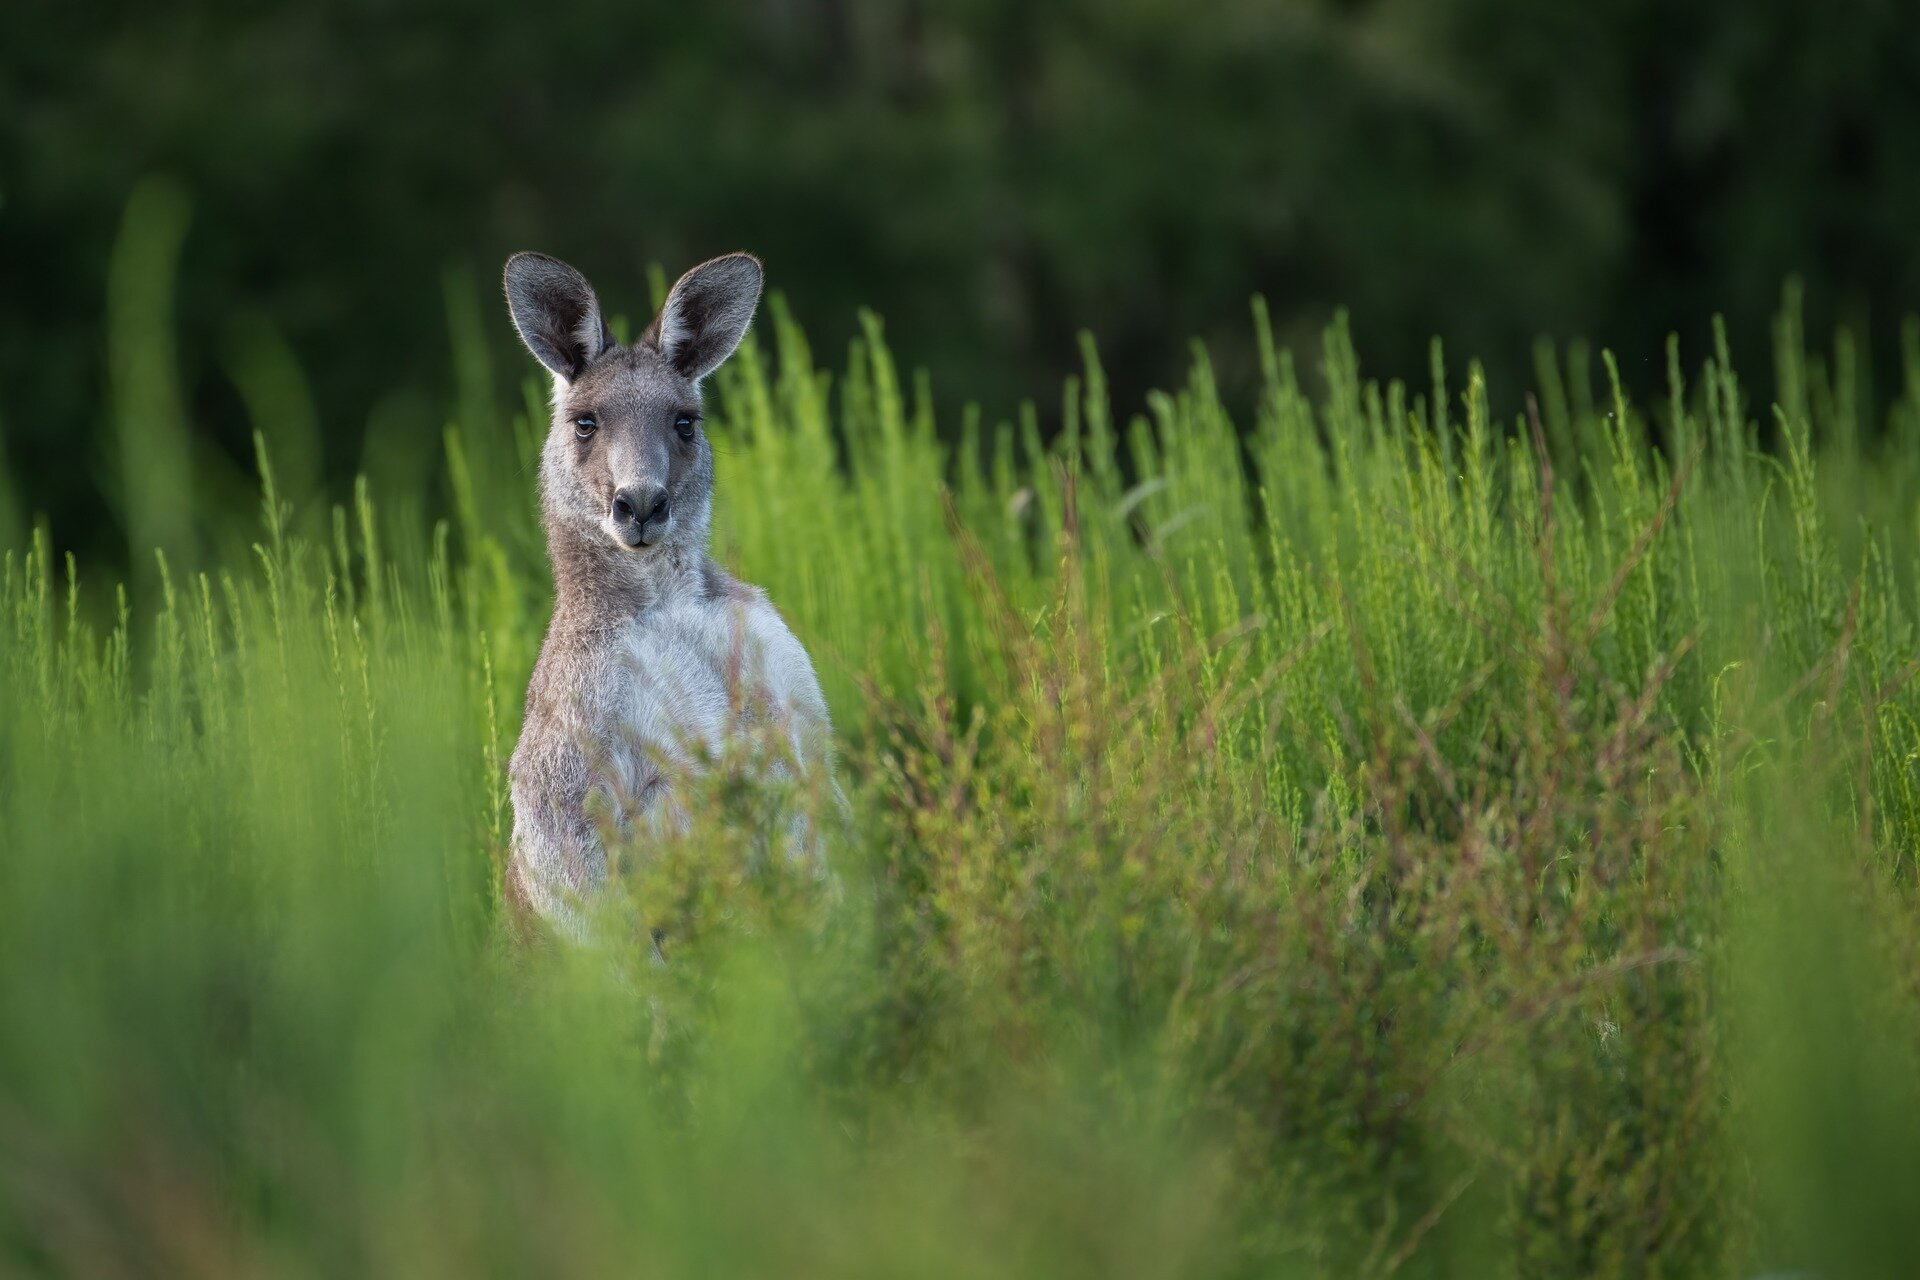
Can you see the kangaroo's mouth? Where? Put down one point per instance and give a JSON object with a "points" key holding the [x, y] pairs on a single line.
{"points": [[637, 537]]}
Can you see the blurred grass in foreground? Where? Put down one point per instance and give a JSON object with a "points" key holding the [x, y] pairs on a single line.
{"points": [[1379, 840]]}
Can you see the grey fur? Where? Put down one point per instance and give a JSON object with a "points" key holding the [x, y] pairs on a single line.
{"points": [[656, 660], [555, 310], [707, 313]]}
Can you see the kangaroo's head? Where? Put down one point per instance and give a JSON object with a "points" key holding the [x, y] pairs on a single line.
{"points": [[626, 463]]}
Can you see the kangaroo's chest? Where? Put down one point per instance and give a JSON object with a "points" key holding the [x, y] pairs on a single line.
{"points": [[681, 680]]}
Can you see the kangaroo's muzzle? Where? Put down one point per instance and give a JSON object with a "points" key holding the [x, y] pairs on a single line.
{"points": [[640, 515]]}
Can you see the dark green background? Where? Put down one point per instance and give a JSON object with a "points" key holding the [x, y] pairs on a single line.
{"points": [[989, 175]]}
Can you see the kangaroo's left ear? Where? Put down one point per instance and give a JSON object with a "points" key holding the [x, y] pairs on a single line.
{"points": [[707, 313]]}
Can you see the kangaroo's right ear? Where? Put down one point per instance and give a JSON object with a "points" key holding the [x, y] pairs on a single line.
{"points": [[556, 313]]}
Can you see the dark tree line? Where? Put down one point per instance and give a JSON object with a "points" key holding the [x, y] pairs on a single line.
{"points": [[992, 175]]}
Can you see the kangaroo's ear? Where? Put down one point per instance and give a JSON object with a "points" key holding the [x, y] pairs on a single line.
{"points": [[707, 313], [556, 313]]}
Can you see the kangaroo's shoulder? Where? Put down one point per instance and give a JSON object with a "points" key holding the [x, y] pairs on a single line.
{"points": [[574, 686], [571, 656], [785, 663], [715, 586], [758, 632]]}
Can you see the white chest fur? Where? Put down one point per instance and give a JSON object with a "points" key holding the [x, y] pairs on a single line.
{"points": [[696, 682], [620, 722]]}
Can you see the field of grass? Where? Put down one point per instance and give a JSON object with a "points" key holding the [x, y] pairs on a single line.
{"points": [[1367, 837]]}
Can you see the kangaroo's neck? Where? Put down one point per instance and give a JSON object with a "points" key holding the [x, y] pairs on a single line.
{"points": [[596, 582]]}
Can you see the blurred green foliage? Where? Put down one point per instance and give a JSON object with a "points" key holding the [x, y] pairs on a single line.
{"points": [[1324, 824], [992, 174], [1369, 836]]}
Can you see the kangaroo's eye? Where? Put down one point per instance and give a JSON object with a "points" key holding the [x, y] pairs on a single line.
{"points": [[684, 424], [585, 425]]}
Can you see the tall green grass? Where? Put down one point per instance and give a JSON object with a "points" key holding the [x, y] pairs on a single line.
{"points": [[1369, 837]]}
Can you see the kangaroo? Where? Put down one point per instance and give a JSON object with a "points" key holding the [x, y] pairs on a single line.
{"points": [[656, 659]]}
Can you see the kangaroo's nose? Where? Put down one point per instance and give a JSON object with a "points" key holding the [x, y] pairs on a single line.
{"points": [[640, 514]]}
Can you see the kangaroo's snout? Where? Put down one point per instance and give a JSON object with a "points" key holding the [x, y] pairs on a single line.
{"points": [[640, 514]]}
